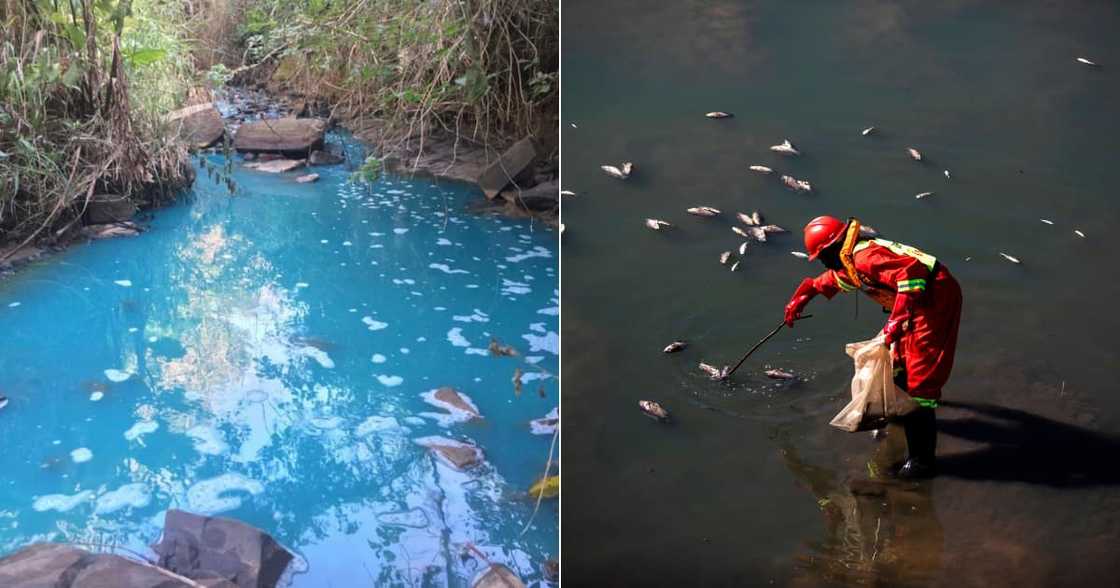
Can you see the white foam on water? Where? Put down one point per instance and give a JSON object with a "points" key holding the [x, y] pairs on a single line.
{"points": [[537, 251], [134, 495], [549, 342], [454, 414], [390, 381], [455, 336], [14, 304], [346, 243], [207, 440], [532, 376], [446, 268], [443, 242], [513, 288], [477, 351], [476, 317], [302, 285], [96, 396], [400, 231], [413, 420], [326, 423], [117, 376], [377, 424], [550, 311], [405, 350], [378, 358], [319, 356], [132, 329], [61, 502], [543, 426], [415, 518], [533, 359], [209, 496], [374, 325], [140, 428], [439, 308], [538, 327], [472, 286], [123, 283], [81, 455]]}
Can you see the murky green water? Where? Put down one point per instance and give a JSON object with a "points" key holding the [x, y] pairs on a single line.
{"points": [[751, 485]]}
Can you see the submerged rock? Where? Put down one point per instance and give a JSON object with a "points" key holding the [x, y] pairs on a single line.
{"points": [[451, 397], [281, 135], [307, 179], [109, 208], [320, 157], [461, 456], [65, 566], [209, 548], [109, 231], [276, 166]]}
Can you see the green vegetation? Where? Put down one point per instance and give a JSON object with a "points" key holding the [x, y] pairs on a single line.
{"points": [[83, 88], [484, 70]]}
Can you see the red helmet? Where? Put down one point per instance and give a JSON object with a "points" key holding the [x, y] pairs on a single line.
{"points": [[822, 232]]}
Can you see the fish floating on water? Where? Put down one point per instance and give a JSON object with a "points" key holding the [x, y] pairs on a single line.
{"points": [[567, 193], [800, 254], [735, 266], [614, 172], [948, 176], [714, 372], [757, 234], [773, 229], [497, 349], [751, 220], [654, 410], [868, 131], [1088, 62], [656, 224], [674, 347], [779, 375], [3, 401], [743, 248], [1010, 258], [762, 169], [786, 148], [706, 211], [718, 114], [740, 232], [724, 257], [914, 153], [1047, 221], [1079, 233], [923, 195], [561, 228], [796, 184]]}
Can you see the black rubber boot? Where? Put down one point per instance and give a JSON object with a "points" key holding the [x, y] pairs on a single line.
{"points": [[921, 444]]}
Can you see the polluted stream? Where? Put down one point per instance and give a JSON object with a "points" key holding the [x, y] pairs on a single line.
{"points": [[748, 485], [273, 356]]}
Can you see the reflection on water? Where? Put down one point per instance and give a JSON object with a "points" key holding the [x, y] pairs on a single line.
{"points": [[267, 357]]}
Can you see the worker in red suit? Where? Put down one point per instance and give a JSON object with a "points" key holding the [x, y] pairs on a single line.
{"points": [[924, 302]]}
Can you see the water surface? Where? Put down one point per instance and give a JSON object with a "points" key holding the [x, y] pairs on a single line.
{"points": [[267, 356], [751, 485]]}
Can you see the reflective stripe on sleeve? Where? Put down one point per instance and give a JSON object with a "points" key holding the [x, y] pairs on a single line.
{"points": [[915, 284], [925, 402], [844, 286]]}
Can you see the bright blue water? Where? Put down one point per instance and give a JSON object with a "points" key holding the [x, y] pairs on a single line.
{"points": [[276, 345]]}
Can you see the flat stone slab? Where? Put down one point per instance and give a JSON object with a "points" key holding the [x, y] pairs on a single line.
{"points": [[110, 231], [200, 125], [452, 397], [64, 566], [516, 161], [459, 455], [276, 166], [281, 135], [201, 548]]}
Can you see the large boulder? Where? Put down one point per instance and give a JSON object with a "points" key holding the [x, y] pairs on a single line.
{"points": [[199, 125], [517, 163], [109, 208], [541, 197], [293, 136], [57, 565], [212, 548]]}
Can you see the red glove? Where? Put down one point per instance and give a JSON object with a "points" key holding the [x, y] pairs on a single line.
{"points": [[899, 321], [805, 292]]}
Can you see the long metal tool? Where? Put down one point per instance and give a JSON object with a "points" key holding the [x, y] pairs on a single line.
{"points": [[759, 344]]}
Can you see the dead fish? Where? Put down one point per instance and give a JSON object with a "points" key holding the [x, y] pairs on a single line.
{"points": [[1079, 233], [674, 347], [723, 257], [706, 211], [779, 375], [743, 248], [757, 233], [654, 410], [868, 231], [718, 114], [745, 218], [713, 372], [868, 131], [1047, 221], [3, 401], [878, 434], [740, 232], [914, 153], [307, 179], [656, 224], [1009, 258], [923, 195], [773, 229], [1087, 62], [735, 266], [796, 184], [800, 254], [567, 193], [756, 218], [517, 382], [786, 148], [561, 228], [497, 349], [573, 125], [762, 169], [948, 176], [615, 172]]}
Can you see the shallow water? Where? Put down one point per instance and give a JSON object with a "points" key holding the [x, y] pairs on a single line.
{"points": [[265, 356], [751, 485]]}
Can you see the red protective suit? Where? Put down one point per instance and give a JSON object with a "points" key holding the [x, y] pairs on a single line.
{"points": [[928, 345]]}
